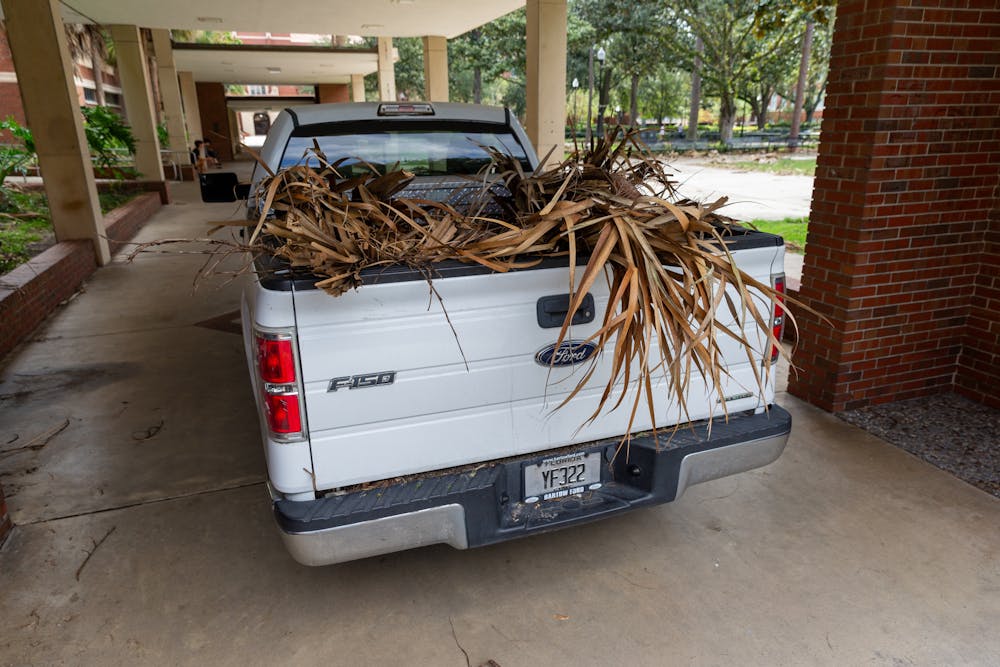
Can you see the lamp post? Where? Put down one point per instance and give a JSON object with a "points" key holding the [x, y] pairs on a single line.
{"points": [[590, 98], [601, 55], [576, 86]]}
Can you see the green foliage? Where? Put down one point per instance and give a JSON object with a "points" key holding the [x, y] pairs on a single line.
{"points": [[410, 67], [664, 93], [16, 156], [19, 228], [163, 135], [108, 136], [793, 230], [784, 166], [487, 64], [25, 223], [204, 37]]}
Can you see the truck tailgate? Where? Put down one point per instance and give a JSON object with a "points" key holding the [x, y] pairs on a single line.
{"points": [[438, 413]]}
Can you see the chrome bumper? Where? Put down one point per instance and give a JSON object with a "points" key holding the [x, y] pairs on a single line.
{"points": [[477, 504]]}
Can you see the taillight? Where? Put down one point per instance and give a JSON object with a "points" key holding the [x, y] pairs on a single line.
{"points": [[283, 413], [279, 384], [277, 363], [778, 323]]}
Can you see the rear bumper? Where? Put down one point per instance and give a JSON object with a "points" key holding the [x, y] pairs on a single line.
{"points": [[483, 505]]}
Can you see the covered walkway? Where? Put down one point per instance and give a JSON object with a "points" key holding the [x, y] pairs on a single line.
{"points": [[845, 551]]}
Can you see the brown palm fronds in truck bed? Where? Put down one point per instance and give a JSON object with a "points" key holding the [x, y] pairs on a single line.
{"points": [[612, 207]]}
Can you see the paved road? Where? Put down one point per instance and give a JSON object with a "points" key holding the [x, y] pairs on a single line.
{"points": [[752, 194]]}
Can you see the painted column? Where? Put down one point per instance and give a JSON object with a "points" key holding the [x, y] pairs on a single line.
{"points": [[45, 74], [138, 100], [189, 98], [170, 91], [436, 69], [546, 74], [357, 87], [386, 70]]}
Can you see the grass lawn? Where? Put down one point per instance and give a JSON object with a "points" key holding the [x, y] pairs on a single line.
{"points": [[792, 229], [25, 228], [784, 166]]}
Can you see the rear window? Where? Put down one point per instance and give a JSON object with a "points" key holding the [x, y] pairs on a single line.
{"points": [[423, 151]]}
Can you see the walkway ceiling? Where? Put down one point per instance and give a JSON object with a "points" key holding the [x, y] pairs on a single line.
{"points": [[385, 18], [273, 65]]}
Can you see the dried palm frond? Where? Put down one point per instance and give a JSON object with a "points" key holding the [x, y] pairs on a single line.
{"points": [[612, 209]]}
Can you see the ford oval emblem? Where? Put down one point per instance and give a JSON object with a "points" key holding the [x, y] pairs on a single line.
{"points": [[570, 352]]}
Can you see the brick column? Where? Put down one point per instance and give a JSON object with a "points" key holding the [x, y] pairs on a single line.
{"points": [[327, 93], [215, 117], [900, 256]]}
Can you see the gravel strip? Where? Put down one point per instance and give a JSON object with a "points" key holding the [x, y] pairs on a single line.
{"points": [[949, 431]]}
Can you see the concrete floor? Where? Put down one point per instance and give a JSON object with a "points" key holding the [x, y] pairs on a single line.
{"points": [[845, 551]]}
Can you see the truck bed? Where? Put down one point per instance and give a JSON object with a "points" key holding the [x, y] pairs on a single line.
{"points": [[489, 400]]}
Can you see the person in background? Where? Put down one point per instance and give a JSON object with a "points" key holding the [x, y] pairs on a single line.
{"points": [[211, 156]]}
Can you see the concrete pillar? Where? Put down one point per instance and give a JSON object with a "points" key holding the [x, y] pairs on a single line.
{"points": [[546, 73], [170, 90], [386, 70], [189, 98], [436, 69], [138, 100], [45, 73], [358, 87]]}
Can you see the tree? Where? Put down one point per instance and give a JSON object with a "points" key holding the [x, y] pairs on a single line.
{"points": [[631, 33], [491, 57], [735, 44], [819, 67], [409, 68], [664, 93], [766, 78]]}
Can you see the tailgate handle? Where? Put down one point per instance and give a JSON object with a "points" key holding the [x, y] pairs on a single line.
{"points": [[552, 310]]}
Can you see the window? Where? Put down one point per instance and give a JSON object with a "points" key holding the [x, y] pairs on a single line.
{"points": [[430, 152], [90, 95], [113, 99]]}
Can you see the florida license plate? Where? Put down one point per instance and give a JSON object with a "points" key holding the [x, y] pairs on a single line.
{"points": [[562, 476]]}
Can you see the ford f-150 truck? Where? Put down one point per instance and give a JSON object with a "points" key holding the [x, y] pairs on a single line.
{"points": [[381, 434]]}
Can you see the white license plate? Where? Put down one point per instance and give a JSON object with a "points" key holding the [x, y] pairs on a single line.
{"points": [[562, 476]]}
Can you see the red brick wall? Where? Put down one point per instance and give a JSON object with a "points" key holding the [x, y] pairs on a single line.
{"points": [[978, 375], [10, 94], [33, 290], [333, 92], [215, 117], [906, 180]]}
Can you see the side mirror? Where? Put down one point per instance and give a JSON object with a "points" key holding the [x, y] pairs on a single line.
{"points": [[222, 187]]}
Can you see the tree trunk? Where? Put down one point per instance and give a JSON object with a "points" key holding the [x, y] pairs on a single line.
{"points": [[692, 130], [633, 103], [727, 118], [603, 96], [800, 87], [477, 85], [763, 103], [755, 111]]}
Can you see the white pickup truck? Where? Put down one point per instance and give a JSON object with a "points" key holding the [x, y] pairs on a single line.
{"points": [[381, 435]]}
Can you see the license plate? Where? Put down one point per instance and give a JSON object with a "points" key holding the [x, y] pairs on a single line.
{"points": [[562, 476]]}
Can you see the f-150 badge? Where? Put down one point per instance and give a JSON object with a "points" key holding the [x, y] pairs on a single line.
{"points": [[361, 381], [570, 352]]}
